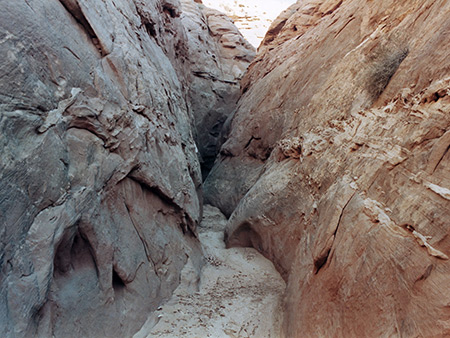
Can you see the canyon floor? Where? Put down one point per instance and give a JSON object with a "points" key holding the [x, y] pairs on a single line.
{"points": [[239, 293]]}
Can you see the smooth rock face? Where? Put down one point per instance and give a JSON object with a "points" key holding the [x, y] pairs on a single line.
{"points": [[336, 166], [99, 173]]}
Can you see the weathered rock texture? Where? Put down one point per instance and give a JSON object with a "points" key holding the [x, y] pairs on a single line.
{"points": [[218, 56], [337, 166], [99, 173]]}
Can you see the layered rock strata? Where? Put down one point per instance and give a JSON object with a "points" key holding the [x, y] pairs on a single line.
{"points": [[336, 166], [99, 175]]}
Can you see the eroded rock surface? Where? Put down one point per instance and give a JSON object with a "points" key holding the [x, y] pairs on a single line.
{"points": [[336, 166], [99, 173], [218, 57]]}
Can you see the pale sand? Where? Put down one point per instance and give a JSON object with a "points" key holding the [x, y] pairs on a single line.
{"points": [[239, 293]]}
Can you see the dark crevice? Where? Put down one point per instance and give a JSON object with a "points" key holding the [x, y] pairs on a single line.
{"points": [[75, 10], [272, 33], [250, 141], [148, 23], [28, 4], [344, 26], [246, 58], [435, 97], [342, 213], [224, 152], [117, 282], [72, 52], [155, 190], [150, 28], [320, 262], [216, 130], [170, 10], [442, 157], [85, 124], [206, 75], [426, 273], [335, 7]]}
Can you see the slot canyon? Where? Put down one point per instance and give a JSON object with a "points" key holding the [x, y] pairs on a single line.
{"points": [[160, 176]]}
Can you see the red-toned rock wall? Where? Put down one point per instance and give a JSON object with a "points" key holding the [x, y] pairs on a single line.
{"points": [[336, 166]]}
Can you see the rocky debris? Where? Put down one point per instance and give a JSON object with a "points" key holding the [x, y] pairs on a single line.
{"points": [[365, 91], [99, 175], [218, 57], [239, 293], [291, 147]]}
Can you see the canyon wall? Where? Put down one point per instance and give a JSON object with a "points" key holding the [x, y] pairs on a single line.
{"points": [[100, 178], [218, 59], [336, 166]]}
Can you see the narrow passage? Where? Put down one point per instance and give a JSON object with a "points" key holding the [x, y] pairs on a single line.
{"points": [[239, 293]]}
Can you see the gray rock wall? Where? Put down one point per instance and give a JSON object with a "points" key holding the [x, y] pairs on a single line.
{"points": [[99, 174], [219, 57]]}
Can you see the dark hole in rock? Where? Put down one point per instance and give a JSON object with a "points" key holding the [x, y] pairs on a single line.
{"points": [[320, 262], [117, 282], [170, 10], [150, 27]]}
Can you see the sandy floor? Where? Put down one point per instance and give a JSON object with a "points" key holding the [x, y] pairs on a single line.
{"points": [[239, 293]]}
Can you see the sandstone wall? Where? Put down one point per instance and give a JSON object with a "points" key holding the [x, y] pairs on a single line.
{"points": [[219, 57], [336, 166], [99, 174]]}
